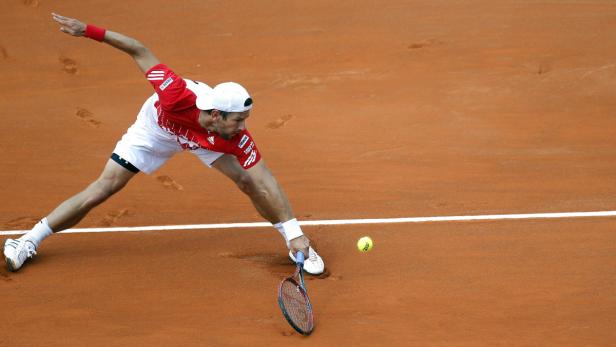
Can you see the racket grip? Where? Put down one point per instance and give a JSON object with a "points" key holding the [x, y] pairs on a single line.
{"points": [[299, 257]]}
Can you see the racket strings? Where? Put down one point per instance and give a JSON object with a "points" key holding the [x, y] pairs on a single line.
{"points": [[296, 305]]}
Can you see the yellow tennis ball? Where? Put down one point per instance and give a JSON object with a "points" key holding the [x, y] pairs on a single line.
{"points": [[364, 244]]}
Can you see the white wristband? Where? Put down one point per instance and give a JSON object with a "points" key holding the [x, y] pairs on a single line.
{"points": [[290, 229]]}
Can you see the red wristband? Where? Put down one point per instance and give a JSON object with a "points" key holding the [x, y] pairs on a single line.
{"points": [[94, 32]]}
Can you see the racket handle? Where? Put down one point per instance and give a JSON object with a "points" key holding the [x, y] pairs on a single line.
{"points": [[299, 258]]}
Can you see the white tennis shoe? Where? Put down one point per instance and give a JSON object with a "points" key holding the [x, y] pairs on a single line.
{"points": [[314, 264], [16, 252]]}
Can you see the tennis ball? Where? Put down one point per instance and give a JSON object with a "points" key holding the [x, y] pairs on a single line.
{"points": [[364, 244]]}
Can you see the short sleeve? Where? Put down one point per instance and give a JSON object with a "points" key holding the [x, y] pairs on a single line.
{"points": [[171, 88]]}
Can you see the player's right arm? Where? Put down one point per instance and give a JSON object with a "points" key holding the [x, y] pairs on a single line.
{"points": [[144, 58]]}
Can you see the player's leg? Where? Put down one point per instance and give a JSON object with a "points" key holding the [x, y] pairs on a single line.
{"points": [[113, 178], [230, 167], [145, 147]]}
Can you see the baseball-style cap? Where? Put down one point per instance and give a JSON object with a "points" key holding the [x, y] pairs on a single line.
{"points": [[227, 97]]}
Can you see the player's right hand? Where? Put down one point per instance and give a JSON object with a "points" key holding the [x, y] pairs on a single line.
{"points": [[300, 244], [70, 26]]}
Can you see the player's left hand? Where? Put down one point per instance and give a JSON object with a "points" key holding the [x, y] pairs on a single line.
{"points": [[70, 26]]}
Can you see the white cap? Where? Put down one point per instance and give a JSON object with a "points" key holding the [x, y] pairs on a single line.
{"points": [[227, 97]]}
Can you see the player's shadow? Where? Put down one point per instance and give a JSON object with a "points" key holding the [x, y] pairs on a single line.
{"points": [[279, 265]]}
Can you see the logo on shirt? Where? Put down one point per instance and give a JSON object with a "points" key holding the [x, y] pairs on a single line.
{"points": [[210, 139], [251, 159], [243, 141], [249, 148], [156, 75], [166, 83]]}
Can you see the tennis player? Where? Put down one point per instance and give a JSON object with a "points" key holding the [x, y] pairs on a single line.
{"points": [[182, 115]]}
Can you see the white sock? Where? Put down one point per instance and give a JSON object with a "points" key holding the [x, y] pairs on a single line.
{"points": [[40, 231]]}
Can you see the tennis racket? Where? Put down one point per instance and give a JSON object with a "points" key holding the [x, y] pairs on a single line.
{"points": [[293, 300]]}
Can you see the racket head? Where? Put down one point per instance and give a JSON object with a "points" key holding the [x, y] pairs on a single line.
{"points": [[295, 306]]}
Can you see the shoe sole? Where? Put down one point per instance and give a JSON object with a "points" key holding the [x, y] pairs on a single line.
{"points": [[311, 274]]}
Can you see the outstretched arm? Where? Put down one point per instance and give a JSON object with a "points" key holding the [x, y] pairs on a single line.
{"points": [[272, 203], [142, 55], [266, 195]]}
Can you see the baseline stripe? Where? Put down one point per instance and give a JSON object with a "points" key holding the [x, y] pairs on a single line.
{"points": [[337, 222]]}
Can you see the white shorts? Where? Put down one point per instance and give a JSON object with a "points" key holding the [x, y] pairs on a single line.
{"points": [[147, 147]]}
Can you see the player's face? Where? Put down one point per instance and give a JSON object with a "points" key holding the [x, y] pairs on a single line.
{"points": [[233, 125]]}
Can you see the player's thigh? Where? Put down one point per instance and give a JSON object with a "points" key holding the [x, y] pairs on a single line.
{"points": [[114, 177], [228, 165], [245, 179], [145, 146]]}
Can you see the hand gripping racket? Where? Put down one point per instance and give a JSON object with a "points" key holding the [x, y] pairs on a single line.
{"points": [[293, 300]]}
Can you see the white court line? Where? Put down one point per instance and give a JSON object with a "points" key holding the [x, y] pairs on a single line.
{"points": [[337, 222]]}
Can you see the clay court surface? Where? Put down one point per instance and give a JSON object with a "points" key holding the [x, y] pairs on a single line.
{"points": [[363, 109]]}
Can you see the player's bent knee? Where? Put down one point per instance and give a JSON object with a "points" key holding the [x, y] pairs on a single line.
{"points": [[96, 194], [102, 189], [93, 197]]}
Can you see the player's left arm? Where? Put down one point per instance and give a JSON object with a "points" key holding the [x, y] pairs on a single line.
{"points": [[272, 203], [266, 193], [267, 196]]}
